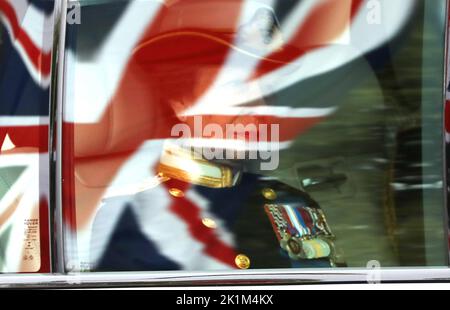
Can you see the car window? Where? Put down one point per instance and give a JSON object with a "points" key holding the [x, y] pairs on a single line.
{"points": [[221, 135], [25, 44]]}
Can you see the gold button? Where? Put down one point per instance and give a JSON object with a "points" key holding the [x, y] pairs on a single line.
{"points": [[269, 194], [210, 223], [242, 261], [175, 192]]}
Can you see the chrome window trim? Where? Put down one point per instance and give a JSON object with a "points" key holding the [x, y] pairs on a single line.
{"points": [[225, 278], [55, 134]]}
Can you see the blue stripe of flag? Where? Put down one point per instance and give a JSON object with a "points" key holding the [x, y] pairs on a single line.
{"points": [[19, 93], [43, 5]]}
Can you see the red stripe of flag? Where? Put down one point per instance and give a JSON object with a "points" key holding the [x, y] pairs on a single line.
{"points": [[24, 137], [40, 60], [324, 24], [191, 215]]}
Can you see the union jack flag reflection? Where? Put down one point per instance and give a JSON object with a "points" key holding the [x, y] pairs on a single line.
{"points": [[136, 69], [26, 28]]}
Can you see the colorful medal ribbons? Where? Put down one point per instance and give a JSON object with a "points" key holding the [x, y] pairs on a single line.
{"points": [[302, 231]]}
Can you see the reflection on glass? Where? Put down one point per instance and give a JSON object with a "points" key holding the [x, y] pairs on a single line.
{"points": [[25, 58], [216, 135]]}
